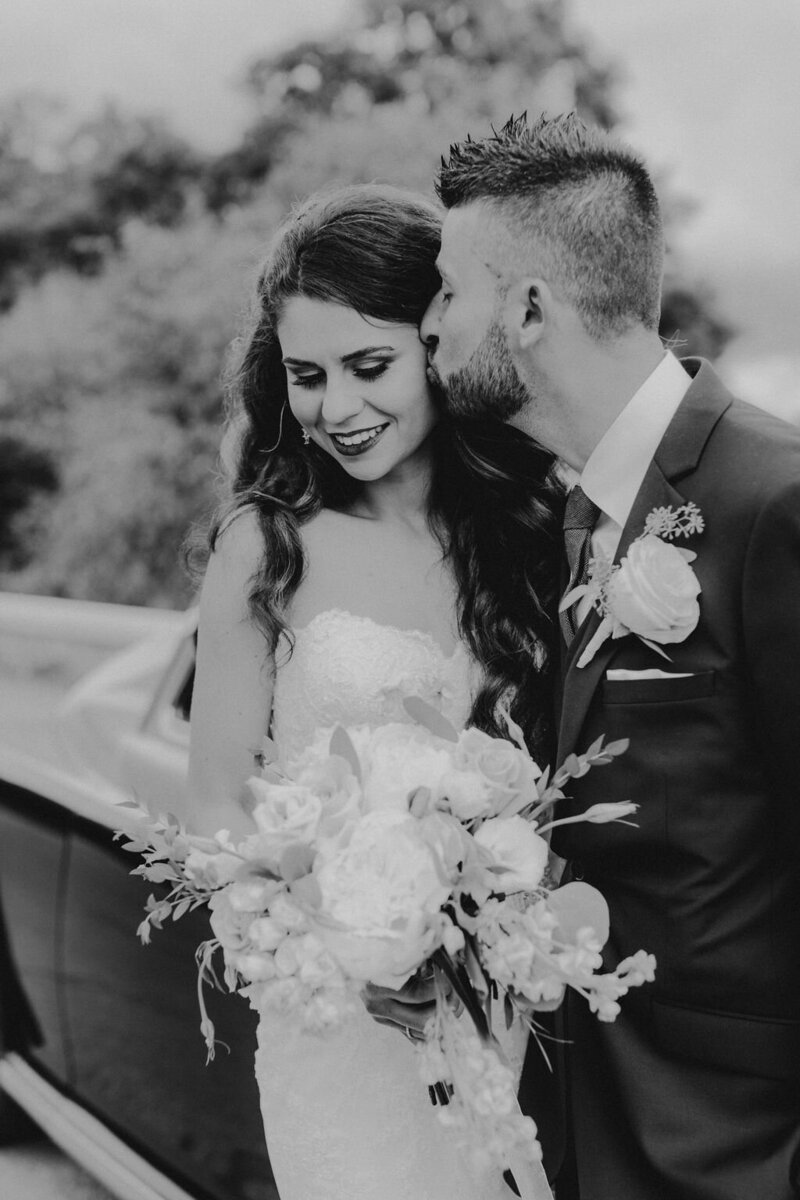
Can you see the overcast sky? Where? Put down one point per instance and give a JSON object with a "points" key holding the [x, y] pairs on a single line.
{"points": [[711, 90]]}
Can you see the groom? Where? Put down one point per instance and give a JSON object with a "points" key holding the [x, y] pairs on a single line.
{"points": [[551, 267]]}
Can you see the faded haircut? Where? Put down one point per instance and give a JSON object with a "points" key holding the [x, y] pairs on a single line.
{"points": [[578, 205]]}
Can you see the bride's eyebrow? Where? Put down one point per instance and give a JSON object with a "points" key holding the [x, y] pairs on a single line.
{"points": [[346, 358], [365, 353]]}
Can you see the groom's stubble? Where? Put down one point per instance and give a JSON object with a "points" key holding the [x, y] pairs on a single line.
{"points": [[488, 384]]}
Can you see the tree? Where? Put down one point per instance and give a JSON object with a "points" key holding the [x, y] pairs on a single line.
{"points": [[67, 187], [27, 472], [429, 53], [128, 257]]}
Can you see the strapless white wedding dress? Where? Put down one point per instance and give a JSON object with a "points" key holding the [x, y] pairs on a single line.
{"points": [[346, 1114]]}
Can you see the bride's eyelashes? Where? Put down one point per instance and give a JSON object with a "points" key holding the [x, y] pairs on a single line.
{"points": [[367, 373]]}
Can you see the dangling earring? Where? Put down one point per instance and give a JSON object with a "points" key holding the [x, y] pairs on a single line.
{"points": [[306, 437]]}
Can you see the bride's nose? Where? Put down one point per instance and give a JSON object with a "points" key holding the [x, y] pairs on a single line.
{"points": [[341, 401]]}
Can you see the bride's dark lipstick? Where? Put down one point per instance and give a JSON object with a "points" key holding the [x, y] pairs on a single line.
{"points": [[352, 448]]}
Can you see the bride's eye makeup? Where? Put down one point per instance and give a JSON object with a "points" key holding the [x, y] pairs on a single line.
{"points": [[366, 371], [306, 381], [372, 370]]}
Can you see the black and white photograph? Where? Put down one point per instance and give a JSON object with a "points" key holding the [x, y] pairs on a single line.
{"points": [[399, 600]]}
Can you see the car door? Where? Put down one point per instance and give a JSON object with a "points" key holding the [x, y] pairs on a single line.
{"points": [[33, 851]]}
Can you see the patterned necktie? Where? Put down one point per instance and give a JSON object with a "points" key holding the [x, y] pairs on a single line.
{"points": [[580, 515]]}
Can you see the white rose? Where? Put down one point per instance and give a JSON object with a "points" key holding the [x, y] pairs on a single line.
{"points": [[381, 897], [505, 768], [654, 592], [517, 849], [398, 760], [285, 813], [333, 781]]}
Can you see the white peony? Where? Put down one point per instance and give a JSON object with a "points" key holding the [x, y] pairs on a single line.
{"points": [[380, 900]]}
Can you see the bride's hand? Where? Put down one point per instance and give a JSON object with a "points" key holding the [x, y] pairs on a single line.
{"points": [[408, 1009]]}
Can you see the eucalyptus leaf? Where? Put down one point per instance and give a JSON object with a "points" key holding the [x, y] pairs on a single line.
{"points": [[342, 746], [619, 747], [430, 718]]}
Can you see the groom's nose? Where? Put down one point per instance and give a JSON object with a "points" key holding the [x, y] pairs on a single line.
{"points": [[429, 325]]}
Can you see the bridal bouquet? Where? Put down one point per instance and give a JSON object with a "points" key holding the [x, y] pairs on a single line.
{"points": [[390, 851]]}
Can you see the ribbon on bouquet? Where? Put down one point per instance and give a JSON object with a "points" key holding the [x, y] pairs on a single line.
{"points": [[529, 1177]]}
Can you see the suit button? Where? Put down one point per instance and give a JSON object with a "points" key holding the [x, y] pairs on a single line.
{"points": [[576, 870]]}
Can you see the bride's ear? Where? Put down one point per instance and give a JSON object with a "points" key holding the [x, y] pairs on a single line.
{"points": [[526, 314]]}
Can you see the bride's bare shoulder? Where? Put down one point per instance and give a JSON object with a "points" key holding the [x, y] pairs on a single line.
{"points": [[236, 554], [240, 535]]}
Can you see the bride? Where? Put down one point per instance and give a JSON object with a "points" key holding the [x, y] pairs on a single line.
{"points": [[367, 552]]}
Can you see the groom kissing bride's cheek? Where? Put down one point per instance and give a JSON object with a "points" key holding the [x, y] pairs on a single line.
{"points": [[682, 538]]}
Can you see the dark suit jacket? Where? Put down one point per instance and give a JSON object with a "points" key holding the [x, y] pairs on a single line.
{"points": [[694, 1093]]}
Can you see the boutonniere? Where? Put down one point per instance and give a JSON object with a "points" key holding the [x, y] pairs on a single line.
{"points": [[652, 592]]}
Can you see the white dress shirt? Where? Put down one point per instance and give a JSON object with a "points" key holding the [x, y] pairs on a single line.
{"points": [[618, 464]]}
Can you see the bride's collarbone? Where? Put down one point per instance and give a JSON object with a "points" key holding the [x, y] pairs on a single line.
{"points": [[368, 569], [336, 540]]}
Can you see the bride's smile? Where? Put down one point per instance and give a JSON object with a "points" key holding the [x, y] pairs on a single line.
{"points": [[356, 385]]}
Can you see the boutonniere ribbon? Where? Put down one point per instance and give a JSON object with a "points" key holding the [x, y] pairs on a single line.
{"points": [[652, 592]]}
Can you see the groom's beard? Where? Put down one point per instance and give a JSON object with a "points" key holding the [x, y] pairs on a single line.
{"points": [[489, 384]]}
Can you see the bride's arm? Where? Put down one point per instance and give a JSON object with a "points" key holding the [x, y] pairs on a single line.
{"points": [[232, 696]]}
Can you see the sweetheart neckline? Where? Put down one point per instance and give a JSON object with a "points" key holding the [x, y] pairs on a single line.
{"points": [[418, 634]]}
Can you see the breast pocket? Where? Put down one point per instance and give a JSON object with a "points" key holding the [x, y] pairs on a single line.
{"points": [[661, 690]]}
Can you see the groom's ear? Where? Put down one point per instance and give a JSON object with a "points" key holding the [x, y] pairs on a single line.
{"points": [[528, 300]]}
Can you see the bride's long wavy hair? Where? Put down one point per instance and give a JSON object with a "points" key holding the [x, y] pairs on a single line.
{"points": [[493, 502]]}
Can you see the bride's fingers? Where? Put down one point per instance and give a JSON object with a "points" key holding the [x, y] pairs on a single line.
{"points": [[388, 1010], [416, 991]]}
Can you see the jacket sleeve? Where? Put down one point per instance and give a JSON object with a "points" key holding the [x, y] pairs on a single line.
{"points": [[771, 620]]}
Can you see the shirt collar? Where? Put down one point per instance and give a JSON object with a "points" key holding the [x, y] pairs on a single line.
{"points": [[618, 464]]}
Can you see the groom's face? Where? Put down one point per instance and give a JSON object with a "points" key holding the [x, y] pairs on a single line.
{"points": [[468, 350]]}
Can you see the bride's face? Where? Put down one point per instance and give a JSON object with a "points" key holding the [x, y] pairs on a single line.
{"points": [[357, 385]]}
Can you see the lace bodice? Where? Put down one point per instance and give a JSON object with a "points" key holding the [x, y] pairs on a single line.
{"points": [[352, 670]]}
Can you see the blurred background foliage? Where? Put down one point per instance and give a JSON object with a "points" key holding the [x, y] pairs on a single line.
{"points": [[127, 258]]}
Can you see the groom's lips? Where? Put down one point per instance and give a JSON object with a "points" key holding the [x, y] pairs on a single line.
{"points": [[432, 374]]}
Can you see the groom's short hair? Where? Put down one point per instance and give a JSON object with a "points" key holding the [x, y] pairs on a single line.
{"points": [[581, 204]]}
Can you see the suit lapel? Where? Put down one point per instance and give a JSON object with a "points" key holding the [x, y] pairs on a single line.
{"points": [[678, 454]]}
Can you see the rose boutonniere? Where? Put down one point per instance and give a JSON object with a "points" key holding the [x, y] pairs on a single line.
{"points": [[652, 592]]}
